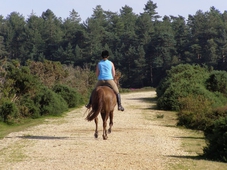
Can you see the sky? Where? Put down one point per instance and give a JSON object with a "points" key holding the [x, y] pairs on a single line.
{"points": [[62, 8]]}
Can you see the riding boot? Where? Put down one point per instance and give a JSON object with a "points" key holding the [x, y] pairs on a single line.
{"points": [[119, 102], [88, 106]]}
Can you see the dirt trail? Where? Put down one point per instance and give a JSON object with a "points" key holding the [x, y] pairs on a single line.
{"points": [[68, 143]]}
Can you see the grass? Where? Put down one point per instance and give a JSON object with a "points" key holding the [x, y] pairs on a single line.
{"points": [[192, 141], [15, 152], [6, 129]]}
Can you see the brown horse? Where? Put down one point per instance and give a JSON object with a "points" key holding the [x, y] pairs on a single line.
{"points": [[104, 101]]}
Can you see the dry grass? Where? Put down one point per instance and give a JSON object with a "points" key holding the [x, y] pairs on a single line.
{"points": [[15, 153], [193, 142]]}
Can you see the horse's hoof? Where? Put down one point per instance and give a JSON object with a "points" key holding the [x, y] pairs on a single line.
{"points": [[104, 137], [109, 130], [96, 135]]}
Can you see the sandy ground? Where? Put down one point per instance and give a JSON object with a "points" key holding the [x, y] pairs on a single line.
{"points": [[68, 143]]}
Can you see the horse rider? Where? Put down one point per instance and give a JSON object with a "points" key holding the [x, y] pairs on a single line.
{"points": [[105, 71]]}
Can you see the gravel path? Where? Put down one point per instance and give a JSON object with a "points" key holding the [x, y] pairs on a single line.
{"points": [[67, 143]]}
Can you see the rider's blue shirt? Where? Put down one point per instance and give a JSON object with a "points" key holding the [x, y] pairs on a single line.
{"points": [[105, 70]]}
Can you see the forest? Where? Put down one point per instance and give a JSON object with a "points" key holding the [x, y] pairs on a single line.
{"points": [[47, 64], [142, 46]]}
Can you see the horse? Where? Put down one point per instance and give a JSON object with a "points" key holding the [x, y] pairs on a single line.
{"points": [[103, 101]]}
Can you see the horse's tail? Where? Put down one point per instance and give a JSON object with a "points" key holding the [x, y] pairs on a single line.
{"points": [[97, 104]]}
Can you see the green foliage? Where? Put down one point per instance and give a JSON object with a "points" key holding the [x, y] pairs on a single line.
{"points": [[23, 81], [193, 74], [8, 111], [24, 87], [180, 81], [195, 111], [70, 95], [216, 114], [50, 103], [184, 89], [217, 82], [217, 141], [28, 108], [199, 96], [48, 72]]}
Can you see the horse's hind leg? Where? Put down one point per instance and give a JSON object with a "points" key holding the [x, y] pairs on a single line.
{"points": [[111, 122], [104, 118], [104, 130], [96, 127]]}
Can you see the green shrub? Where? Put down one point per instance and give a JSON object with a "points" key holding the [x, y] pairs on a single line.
{"points": [[50, 103], [217, 141], [216, 114], [70, 95], [170, 99], [8, 111], [23, 81], [30, 89], [184, 80], [28, 108], [197, 109], [192, 74], [194, 111], [217, 82], [181, 81]]}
